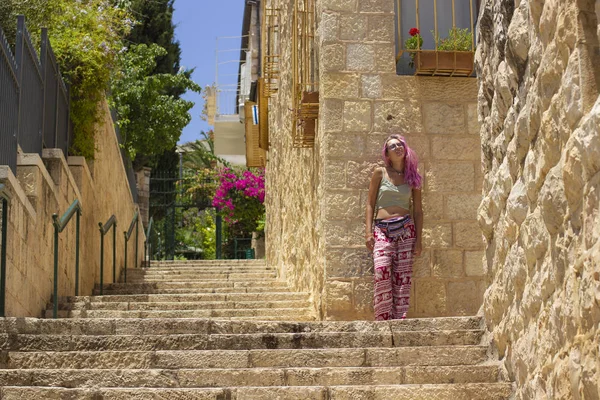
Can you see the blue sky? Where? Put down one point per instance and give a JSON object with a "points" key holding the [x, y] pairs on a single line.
{"points": [[198, 24]]}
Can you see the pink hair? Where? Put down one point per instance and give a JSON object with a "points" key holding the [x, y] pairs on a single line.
{"points": [[411, 174]]}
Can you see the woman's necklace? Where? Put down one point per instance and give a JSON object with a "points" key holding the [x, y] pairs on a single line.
{"points": [[398, 172]]}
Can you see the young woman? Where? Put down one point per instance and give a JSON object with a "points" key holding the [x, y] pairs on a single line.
{"points": [[394, 236]]}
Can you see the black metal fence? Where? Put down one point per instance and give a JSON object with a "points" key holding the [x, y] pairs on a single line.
{"points": [[34, 100], [57, 126], [31, 82], [9, 105]]}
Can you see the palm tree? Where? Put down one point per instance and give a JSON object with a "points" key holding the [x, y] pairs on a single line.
{"points": [[200, 154]]}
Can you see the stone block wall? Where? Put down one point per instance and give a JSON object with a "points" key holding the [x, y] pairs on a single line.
{"points": [[539, 72], [47, 185], [294, 225], [362, 101]]}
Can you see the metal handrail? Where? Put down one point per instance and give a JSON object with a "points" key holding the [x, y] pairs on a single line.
{"points": [[5, 197], [134, 223], [111, 223], [147, 245], [59, 225]]}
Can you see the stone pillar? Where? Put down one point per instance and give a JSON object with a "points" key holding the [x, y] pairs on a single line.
{"points": [[142, 182], [258, 244]]}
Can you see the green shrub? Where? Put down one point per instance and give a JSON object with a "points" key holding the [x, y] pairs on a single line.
{"points": [[87, 37], [458, 40]]}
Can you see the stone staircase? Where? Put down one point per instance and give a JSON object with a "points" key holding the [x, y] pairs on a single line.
{"points": [[210, 330], [245, 290]]}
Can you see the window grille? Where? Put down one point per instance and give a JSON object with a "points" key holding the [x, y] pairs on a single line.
{"points": [[270, 46], [305, 88], [435, 38]]}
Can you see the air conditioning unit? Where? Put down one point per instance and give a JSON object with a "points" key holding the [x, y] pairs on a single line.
{"points": [[241, 112]]}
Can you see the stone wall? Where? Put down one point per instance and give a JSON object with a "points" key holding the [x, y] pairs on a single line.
{"points": [[316, 197], [539, 76], [294, 226], [47, 185]]}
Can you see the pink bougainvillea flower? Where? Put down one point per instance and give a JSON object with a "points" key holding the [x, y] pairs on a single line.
{"points": [[413, 31]]}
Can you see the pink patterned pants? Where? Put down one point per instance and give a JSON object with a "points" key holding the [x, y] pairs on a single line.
{"points": [[393, 259]]}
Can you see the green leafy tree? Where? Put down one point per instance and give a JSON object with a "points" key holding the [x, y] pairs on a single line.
{"points": [[155, 26], [151, 119]]}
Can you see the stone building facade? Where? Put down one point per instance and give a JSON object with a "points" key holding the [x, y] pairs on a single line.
{"points": [[518, 151], [539, 79], [316, 196]]}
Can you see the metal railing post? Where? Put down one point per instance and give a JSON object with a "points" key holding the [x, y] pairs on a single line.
{"points": [[77, 221], [59, 226], [104, 228], [125, 273], [3, 251], [101, 260], [115, 253], [55, 295], [137, 237], [148, 243], [219, 224], [127, 236]]}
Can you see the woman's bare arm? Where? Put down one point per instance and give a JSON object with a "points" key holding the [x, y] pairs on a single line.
{"points": [[371, 200]]}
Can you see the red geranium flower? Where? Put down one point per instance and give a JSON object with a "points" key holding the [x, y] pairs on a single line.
{"points": [[413, 31]]}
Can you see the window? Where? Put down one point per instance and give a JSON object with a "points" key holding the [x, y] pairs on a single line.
{"points": [[435, 37]]}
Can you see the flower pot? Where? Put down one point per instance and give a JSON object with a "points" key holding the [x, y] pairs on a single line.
{"points": [[449, 63]]}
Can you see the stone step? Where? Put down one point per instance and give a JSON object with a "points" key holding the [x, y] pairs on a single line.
{"points": [[228, 264], [469, 391], [201, 270], [164, 306], [192, 297], [157, 326], [282, 313], [255, 358], [229, 290], [202, 262], [208, 284], [250, 341], [198, 378], [190, 271], [202, 276], [176, 270]]}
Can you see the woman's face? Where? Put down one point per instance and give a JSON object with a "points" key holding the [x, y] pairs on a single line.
{"points": [[395, 149]]}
